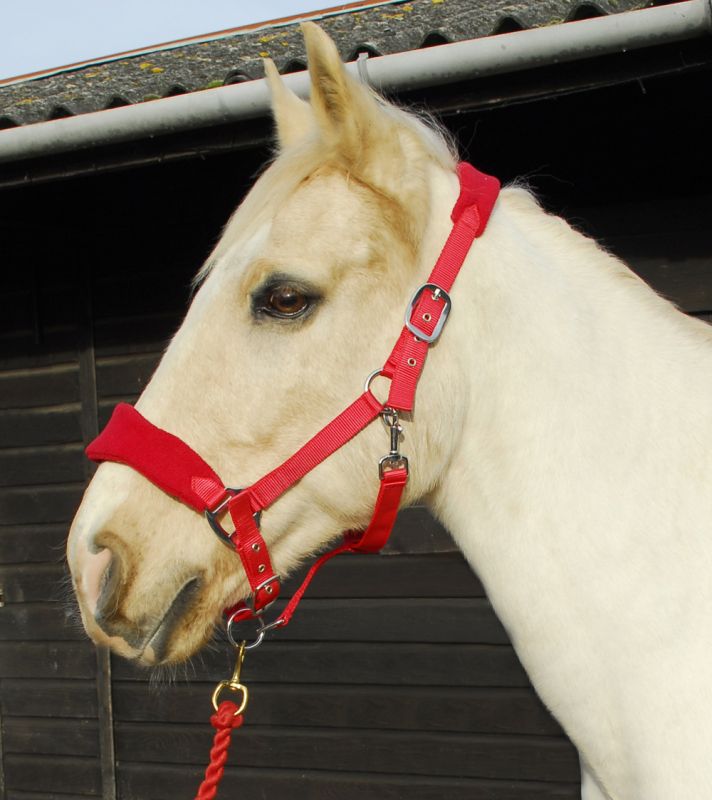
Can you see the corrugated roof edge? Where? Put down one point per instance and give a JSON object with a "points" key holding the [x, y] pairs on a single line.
{"points": [[403, 26], [397, 72], [254, 27]]}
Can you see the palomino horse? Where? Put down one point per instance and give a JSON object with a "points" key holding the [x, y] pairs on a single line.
{"points": [[562, 432]]}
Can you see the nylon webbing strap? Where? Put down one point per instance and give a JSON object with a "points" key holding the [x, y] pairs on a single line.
{"points": [[478, 193], [369, 541], [329, 439]]}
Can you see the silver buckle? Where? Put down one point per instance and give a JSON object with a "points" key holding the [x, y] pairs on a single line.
{"points": [[212, 517], [438, 293]]}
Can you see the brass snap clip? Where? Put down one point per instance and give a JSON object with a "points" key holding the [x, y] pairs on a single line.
{"points": [[234, 685]]}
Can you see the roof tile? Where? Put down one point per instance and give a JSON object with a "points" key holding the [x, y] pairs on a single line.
{"points": [[383, 29]]}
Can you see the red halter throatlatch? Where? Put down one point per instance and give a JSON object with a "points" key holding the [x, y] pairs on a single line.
{"points": [[173, 466]]}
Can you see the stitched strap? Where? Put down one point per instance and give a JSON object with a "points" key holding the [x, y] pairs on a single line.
{"points": [[329, 439], [369, 541], [250, 546], [478, 193]]}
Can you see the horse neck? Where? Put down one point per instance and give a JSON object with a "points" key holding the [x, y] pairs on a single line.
{"points": [[584, 400]]}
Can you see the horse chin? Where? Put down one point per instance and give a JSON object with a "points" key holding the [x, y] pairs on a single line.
{"points": [[179, 632]]}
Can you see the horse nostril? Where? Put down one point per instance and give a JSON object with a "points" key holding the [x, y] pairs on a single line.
{"points": [[92, 575], [107, 601]]}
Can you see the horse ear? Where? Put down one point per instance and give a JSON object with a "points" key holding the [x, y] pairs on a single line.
{"points": [[346, 112], [293, 117], [360, 132]]}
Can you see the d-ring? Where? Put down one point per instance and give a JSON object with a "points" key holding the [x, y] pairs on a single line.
{"points": [[370, 379]]}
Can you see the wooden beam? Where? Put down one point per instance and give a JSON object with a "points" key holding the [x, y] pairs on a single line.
{"points": [[90, 428]]}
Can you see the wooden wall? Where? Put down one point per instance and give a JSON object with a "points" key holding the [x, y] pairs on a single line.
{"points": [[396, 680]]}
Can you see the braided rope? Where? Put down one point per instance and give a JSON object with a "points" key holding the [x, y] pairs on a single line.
{"points": [[224, 721]]}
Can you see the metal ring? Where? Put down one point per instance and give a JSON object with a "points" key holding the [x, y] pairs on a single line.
{"points": [[260, 634], [369, 380]]}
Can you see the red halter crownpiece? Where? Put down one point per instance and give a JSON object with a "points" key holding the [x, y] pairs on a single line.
{"points": [[177, 469]]}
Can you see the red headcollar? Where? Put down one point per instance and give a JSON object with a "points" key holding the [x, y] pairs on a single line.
{"points": [[175, 467]]}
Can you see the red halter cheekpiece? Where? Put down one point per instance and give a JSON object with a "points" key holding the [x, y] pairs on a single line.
{"points": [[178, 470]]}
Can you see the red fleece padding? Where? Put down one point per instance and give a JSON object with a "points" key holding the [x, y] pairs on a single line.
{"points": [[163, 458], [476, 189]]}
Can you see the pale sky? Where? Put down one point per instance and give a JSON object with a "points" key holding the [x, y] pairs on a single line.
{"points": [[41, 34]]}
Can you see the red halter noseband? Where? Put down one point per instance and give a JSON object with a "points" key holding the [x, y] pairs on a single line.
{"points": [[178, 470]]}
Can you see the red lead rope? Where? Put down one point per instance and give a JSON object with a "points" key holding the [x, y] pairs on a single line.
{"points": [[224, 720]]}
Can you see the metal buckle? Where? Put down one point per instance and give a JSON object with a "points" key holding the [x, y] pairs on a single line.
{"points": [[393, 461], [438, 292], [211, 515], [263, 585]]}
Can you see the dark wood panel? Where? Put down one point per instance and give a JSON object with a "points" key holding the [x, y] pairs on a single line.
{"points": [[396, 620], [46, 308], [357, 664], [124, 375], [47, 660], [45, 773], [51, 737], [687, 281], [55, 698], [387, 620], [43, 426], [142, 781], [27, 466], [14, 795], [29, 583], [41, 346], [432, 708], [417, 531], [155, 294], [39, 621], [49, 386], [440, 575], [386, 752], [123, 336], [106, 407], [39, 505], [23, 544], [646, 216]]}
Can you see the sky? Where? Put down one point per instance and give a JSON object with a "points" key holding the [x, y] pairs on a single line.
{"points": [[41, 34]]}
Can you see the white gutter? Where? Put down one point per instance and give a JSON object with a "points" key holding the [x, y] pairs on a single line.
{"points": [[434, 66]]}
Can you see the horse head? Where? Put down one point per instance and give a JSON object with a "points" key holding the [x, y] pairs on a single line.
{"points": [[300, 300]]}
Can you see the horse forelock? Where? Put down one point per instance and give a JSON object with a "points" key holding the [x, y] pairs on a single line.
{"points": [[425, 142]]}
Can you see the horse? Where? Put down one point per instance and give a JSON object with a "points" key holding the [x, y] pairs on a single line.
{"points": [[561, 431]]}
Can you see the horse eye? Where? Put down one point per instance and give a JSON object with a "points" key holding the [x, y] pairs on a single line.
{"points": [[286, 301]]}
